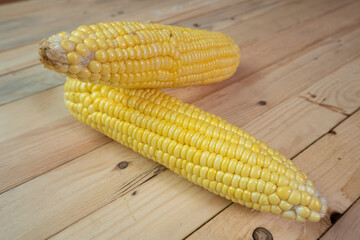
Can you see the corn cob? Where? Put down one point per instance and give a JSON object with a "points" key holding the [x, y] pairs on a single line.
{"points": [[199, 146], [139, 55]]}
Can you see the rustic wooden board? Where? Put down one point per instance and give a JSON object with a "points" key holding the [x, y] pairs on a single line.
{"points": [[348, 227], [298, 79]]}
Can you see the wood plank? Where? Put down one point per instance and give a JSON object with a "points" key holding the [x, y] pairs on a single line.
{"points": [[40, 152], [77, 13], [174, 214], [250, 12], [26, 7], [348, 227], [158, 210], [339, 91], [15, 59], [270, 18], [57, 198], [333, 164], [27, 114], [247, 11], [278, 47], [270, 83], [26, 82]]}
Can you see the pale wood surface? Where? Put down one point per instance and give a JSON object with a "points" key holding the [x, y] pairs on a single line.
{"points": [[347, 227], [59, 179]]}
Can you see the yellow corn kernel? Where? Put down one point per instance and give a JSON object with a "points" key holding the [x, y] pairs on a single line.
{"points": [[314, 216], [295, 197], [263, 200], [276, 210], [315, 204], [283, 181], [274, 199], [255, 172], [289, 214], [303, 211], [284, 192], [73, 57], [261, 185], [269, 188], [67, 45], [251, 185], [255, 196], [305, 198], [285, 205]]}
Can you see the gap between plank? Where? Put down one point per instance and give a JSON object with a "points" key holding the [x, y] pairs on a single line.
{"points": [[208, 220], [342, 215], [20, 69], [35, 176], [156, 171]]}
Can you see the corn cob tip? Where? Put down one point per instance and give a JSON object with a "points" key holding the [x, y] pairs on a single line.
{"points": [[314, 211], [54, 56]]}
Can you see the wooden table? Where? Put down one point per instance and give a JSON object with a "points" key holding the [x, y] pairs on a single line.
{"points": [[297, 88]]}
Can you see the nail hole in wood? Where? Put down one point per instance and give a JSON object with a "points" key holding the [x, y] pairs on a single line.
{"points": [[332, 132], [312, 95], [261, 233], [196, 25], [339, 158], [334, 217], [134, 193], [262, 103], [123, 165]]}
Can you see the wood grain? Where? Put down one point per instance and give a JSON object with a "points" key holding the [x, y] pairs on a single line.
{"points": [[69, 139], [339, 91], [77, 13], [332, 163], [26, 82], [297, 89], [348, 227], [15, 59], [60, 197]]}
